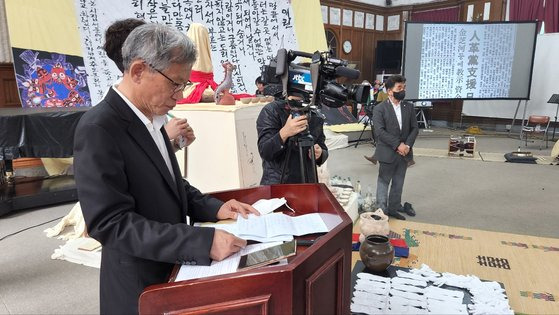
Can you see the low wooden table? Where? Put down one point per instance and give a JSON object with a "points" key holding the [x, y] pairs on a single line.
{"points": [[526, 265]]}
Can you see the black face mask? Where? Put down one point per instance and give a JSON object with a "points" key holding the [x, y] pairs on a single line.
{"points": [[399, 95]]}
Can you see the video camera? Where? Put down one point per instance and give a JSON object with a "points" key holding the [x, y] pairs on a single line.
{"points": [[315, 84]]}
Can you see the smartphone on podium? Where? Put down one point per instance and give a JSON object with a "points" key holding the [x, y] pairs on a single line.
{"points": [[268, 255]]}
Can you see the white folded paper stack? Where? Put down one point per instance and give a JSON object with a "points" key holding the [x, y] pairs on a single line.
{"points": [[418, 292], [342, 194]]}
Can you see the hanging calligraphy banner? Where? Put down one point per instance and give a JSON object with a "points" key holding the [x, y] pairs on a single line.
{"points": [[247, 33]]}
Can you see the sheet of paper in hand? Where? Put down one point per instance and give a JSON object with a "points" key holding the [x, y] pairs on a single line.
{"points": [[265, 206]]}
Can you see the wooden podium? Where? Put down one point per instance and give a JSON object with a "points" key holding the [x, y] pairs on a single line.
{"points": [[315, 281]]}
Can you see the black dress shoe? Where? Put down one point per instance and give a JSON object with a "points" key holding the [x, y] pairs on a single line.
{"points": [[371, 159], [396, 215], [408, 209]]}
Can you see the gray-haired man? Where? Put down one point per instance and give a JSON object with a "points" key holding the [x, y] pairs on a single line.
{"points": [[133, 198]]}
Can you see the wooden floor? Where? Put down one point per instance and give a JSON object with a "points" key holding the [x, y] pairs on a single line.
{"points": [[526, 265]]}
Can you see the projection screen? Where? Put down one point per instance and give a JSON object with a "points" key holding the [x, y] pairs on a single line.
{"points": [[469, 60]]}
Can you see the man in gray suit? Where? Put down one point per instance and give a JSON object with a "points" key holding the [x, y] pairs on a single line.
{"points": [[395, 129]]}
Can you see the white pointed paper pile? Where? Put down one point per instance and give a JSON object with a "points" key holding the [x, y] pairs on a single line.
{"points": [[418, 292]]}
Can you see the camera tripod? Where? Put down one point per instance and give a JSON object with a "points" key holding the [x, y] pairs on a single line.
{"points": [[308, 171], [369, 115]]}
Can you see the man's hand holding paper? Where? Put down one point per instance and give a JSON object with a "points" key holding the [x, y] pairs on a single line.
{"points": [[265, 206], [232, 208], [224, 243]]}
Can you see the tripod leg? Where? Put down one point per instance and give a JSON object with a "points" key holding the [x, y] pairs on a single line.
{"points": [[362, 131], [308, 168], [284, 165], [302, 165], [424, 119], [361, 119], [555, 125], [313, 167]]}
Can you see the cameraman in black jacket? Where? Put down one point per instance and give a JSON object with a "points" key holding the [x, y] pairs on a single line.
{"points": [[275, 126]]}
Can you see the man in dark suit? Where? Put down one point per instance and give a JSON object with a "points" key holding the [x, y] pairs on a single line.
{"points": [[134, 200], [395, 129]]}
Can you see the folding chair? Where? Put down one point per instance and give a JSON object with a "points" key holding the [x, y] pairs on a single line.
{"points": [[534, 127]]}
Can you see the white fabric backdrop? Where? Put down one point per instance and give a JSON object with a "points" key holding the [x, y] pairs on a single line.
{"points": [[545, 82], [5, 48]]}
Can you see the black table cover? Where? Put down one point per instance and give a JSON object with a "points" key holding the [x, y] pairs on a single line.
{"points": [[38, 132]]}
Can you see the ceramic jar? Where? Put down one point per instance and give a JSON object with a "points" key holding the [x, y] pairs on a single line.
{"points": [[373, 223], [376, 252]]}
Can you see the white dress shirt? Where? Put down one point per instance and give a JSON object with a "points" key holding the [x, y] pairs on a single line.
{"points": [[398, 111], [154, 129]]}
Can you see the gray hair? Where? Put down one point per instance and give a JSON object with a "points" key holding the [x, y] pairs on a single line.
{"points": [[159, 46]]}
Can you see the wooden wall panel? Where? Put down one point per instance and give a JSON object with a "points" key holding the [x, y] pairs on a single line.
{"points": [[449, 111], [357, 48], [321, 296], [249, 305], [9, 96], [368, 55], [496, 13], [363, 40]]}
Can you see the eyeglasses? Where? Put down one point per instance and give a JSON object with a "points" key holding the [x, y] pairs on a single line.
{"points": [[177, 86]]}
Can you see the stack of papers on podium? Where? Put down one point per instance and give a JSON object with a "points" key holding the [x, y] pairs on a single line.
{"points": [[273, 227], [276, 226]]}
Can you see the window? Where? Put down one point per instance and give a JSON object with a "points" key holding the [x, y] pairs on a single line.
{"points": [[332, 42]]}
